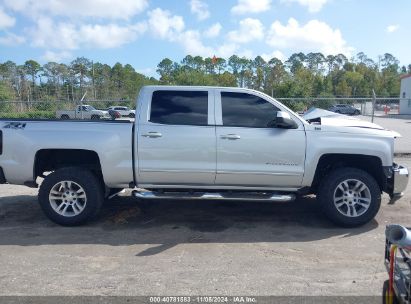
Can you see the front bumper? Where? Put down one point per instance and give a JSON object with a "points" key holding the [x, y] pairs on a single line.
{"points": [[398, 182]]}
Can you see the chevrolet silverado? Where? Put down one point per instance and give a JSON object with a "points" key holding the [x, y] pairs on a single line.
{"points": [[204, 143]]}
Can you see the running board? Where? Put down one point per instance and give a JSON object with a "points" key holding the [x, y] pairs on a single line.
{"points": [[239, 196]]}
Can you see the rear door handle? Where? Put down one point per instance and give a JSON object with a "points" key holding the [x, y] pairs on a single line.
{"points": [[230, 136], [152, 135]]}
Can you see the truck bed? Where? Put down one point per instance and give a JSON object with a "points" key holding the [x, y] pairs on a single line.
{"points": [[70, 120], [23, 139]]}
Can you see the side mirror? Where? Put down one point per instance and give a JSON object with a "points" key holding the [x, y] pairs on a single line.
{"points": [[284, 121]]}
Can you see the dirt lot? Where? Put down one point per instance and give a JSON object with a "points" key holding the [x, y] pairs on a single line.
{"points": [[191, 248]]}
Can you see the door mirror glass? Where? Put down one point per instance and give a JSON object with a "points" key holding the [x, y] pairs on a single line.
{"points": [[283, 120]]}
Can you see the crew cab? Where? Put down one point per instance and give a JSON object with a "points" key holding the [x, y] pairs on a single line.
{"points": [[204, 143], [83, 112]]}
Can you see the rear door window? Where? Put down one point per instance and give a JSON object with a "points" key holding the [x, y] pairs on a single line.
{"points": [[179, 108]]}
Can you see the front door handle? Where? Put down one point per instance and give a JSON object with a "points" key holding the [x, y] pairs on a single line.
{"points": [[152, 135], [230, 136]]}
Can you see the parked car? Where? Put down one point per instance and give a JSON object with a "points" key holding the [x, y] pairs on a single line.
{"points": [[83, 112], [344, 109], [114, 114], [124, 111], [204, 143]]}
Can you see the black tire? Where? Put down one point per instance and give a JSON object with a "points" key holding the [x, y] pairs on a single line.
{"points": [[92, 189], [328, 187], [385, 298], [95, 117], [357, 112], [65, 117]]}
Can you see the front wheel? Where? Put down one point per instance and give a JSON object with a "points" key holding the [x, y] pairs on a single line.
{"points": [[350, 197], [95, 117], [71, 196]]}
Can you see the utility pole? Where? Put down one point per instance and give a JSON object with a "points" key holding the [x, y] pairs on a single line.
{"points": [[374, 100], [92, 80]]}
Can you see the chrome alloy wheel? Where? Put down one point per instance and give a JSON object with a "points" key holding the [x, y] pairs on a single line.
{"points": [[352, 198], [67, 198]]}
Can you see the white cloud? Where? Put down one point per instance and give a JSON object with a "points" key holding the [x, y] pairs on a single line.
{"points": [[111, 35], [251, 6], [213, 31], [313, 5], [65, 35], [6, 20], [165, 25], [123, 9], [392, 28], [275, 54], [11, 39], [51, 56], [250, 29], [192, 44], [313, 36], [200, 9]]}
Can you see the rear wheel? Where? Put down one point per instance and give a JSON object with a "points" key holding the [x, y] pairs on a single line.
{"points": [[350, 197], [95, 117], [65, 117], [71, 196]]}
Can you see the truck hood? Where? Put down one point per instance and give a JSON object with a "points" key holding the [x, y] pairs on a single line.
{"points": [[328, 118]]}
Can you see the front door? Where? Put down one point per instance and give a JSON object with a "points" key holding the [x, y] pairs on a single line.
{"points": [[176, 142], [250, 152]]}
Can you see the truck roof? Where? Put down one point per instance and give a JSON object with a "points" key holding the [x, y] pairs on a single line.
{"points": [[171, 87]]}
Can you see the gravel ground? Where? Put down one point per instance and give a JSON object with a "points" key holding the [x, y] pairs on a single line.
{"points": [[191, 248]]}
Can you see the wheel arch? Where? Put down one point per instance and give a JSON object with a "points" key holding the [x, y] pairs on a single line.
{"points": [[369, 163], [46, 160]]}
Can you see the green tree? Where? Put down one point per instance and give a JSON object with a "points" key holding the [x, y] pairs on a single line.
{"points": [[33, 68]]}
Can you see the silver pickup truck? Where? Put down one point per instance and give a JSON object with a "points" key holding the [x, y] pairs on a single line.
{"points": [[204, 143]]}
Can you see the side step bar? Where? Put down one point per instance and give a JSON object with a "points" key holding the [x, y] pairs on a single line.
{"points": [[244, 196]]}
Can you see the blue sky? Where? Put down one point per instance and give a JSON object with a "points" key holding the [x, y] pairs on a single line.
{"points": [[142, 32]]}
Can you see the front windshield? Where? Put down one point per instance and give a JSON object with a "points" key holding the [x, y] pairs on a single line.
{"points": [[91, 108]]}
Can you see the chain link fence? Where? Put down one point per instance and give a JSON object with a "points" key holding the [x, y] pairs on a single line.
{"points": [[105, 109], [85, 109], [381, 107]]}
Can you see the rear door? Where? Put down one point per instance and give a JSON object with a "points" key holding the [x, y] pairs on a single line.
{"points": [[176, 138], [251, 153]]}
